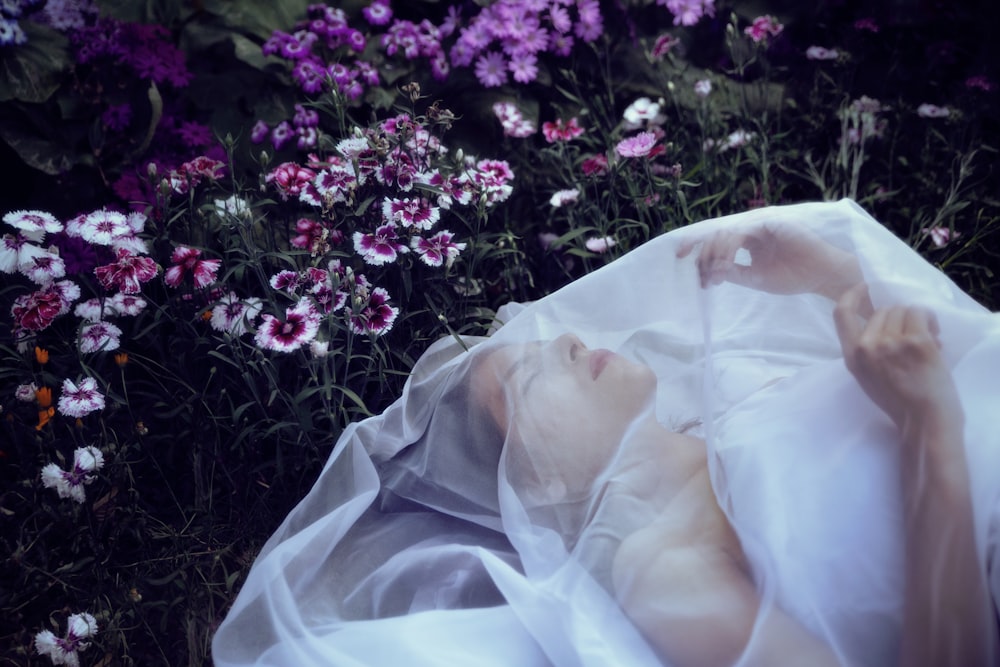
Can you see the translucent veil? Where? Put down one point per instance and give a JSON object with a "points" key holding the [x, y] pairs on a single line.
{"points": [[479, 519]]}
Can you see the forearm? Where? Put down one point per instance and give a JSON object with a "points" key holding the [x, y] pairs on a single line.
{"points": [[947, 618]]}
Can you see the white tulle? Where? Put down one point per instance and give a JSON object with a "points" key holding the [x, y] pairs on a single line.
{"points": [[422, 544]]}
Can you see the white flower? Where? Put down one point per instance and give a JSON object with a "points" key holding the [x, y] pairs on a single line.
{"points": [[600, 245], [80, 400], [65, 651], [702, 88], [69, 484], [234, 206], [933, 111], [643, 112], [564, 197], [26, 392], [821, 53]]}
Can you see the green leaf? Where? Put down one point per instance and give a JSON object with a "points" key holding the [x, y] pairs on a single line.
{"points": [[258, 17], [31, 72]]}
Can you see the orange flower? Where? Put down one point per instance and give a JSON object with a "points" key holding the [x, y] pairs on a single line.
{"points": [[121, 358], [44, 397], [41, 355], [44, 416], [206, 316]]}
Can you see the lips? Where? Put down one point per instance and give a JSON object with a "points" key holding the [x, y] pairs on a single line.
{"points": [[598, 360]]}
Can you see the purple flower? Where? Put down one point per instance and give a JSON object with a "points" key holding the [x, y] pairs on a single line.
{"points": [[762, 28], [195, 135], [80, 400], [299, 328], [376, 316], [380, 247], [637, 146], [378, 13], [524, 67], [117, 117], [411, 213], [98, 337], [233, 315], [438, 249], [491, 69]]}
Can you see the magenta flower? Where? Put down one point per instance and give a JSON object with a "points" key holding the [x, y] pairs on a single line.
{"points": [[193, 172], [866, 24], [186, 260], [637, 146], [941, 236], [980, 82], [80, 400], [688, 12], [561, 130], [378, 13], [290, 179], [380, 247], [287, 281], [411, 213], [127, 273], [762, 28], [663, 45], [259, 132], [299, 328], [513, 122], [596, 165], [376, 316], [36, 311], [438, 249], [491, 69]]}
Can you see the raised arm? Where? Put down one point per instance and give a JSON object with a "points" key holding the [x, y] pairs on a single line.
{"points": [[948, 618]]}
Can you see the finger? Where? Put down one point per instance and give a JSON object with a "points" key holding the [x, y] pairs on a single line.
{"points": [[894, 321], [847, 318], [685, 247], [922, 322], [721, 259]]}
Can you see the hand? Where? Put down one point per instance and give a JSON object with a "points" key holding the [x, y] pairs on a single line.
{"points": [[784, 259], [896, 358]]}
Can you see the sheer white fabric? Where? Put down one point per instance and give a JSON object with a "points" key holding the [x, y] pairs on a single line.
{"points": [[475, 522]]}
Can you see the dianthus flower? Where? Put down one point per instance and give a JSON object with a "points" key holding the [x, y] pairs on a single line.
{"points": [[191, 173], [933, 111], [64, 651], [415, 213], [187, 260], [636, 146], [233, 315], [564, 197], [762, 28], [99, 336], [290, 179], [380, 247], [941, 236], [980, 82], [127, 273], [438, 249], [78, 400], [561, 130], [703, 88], [642, 112], [662, 46], [373, 315], [821, 53], [69, 484], [300, 326], [600, 245], [101, 227], [36, 311], [595, 165], [33, 225]]}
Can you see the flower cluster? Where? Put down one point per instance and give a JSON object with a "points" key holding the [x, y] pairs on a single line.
{"points": [[69, 483], [763, 28], [505, 39], [111, 235], [65, 650], [144, 49], [861, 121], [512, 121]]}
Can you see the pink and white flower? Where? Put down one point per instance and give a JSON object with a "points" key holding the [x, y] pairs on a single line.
{"points": [[80, 400], [65, 650], [127, 304], [561, 130], [703, 88], [187, 260], [380, 247], [941, 236], [69, 484], [299, 328], [290, 179], [127, 272], [636, 146], [95, 309], [438, 249], [234, 315], [375, 316], [98, 336], [17, 252], [762, 28], [44, 267], [26, 392]]}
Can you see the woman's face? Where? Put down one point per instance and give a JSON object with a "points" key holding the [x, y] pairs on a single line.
{"points": [[567, 407]]}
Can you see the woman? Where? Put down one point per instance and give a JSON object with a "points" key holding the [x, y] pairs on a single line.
{"points": [[721, 489]]}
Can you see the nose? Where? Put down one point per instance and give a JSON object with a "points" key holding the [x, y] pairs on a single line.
{"points": [[570, 346]]}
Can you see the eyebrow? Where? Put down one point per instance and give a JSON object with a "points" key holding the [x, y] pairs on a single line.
{"points": [[514, 367]]}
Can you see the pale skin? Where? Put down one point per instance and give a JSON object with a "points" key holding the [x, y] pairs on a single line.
{"points": [[683, 578]]}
